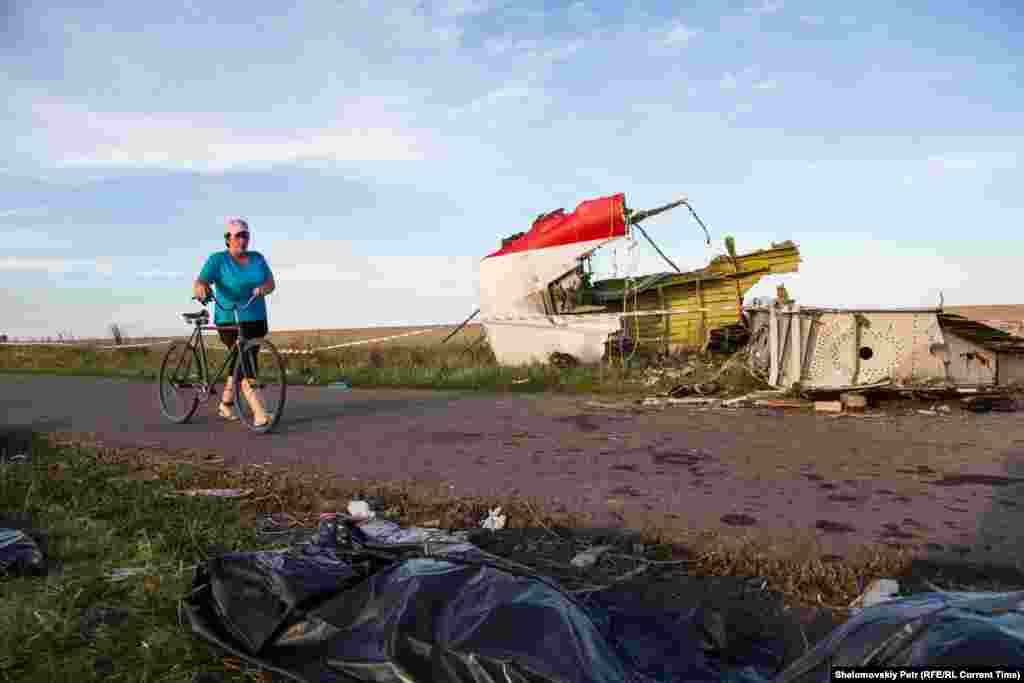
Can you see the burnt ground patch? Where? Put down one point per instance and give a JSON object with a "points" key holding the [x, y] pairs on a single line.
{"points": [[976, 480]]}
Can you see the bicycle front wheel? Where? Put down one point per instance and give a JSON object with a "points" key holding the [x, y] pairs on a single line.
{"points": [[180, 382], [260, 403]]}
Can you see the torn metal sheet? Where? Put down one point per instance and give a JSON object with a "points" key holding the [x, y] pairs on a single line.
{"points": [[537, 298], [830, 348]]}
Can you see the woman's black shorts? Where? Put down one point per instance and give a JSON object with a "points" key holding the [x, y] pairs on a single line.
{"points": [[251, 329]]}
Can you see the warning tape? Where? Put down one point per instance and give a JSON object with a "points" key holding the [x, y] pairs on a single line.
{"points": [[355, 343], [168, 341], [80, 345]]}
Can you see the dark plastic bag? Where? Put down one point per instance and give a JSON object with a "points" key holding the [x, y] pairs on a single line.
{"points": [[20, 555], [459, 616], [930, 629]]}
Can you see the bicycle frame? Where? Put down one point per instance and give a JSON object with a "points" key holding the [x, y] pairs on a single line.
{"points": [[196, 341]]}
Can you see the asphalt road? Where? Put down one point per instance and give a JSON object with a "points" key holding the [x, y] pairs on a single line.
{"points": [[952, 485]]}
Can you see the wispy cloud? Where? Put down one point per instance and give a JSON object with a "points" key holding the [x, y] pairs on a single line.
{"points": [[766, 7], [82, 135], [162, 275], [678, 36], [24, 212], [812, 20], [938, 164], [56, 266], [464, 8]]}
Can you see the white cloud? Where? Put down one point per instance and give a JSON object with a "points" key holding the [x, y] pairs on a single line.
{"points": [[503, 45], [83, 136], [56, 266], [812, 20], [462, 8], [22, 238], [162, 275], [766, 85], [728, 82], [766, 7], [679, 36], [674, 39], [942, 164], [24, 212]]}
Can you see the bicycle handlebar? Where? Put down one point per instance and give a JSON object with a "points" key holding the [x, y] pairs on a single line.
{"points": [[223, 308]]}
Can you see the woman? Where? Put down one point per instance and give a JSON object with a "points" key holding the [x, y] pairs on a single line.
{"points": [[239, 274]]}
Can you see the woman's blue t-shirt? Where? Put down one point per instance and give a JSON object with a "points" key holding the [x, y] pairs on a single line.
{"points": [[234, 283]]}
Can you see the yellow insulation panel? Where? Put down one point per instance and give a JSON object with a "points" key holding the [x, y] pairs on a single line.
{"points": [[719, 289]]}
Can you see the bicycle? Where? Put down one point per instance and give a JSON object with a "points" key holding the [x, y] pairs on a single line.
{"points": [[192, 382]]}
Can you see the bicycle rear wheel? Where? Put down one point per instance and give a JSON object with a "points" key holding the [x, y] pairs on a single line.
{"points": [[260, 407], [180, 382]]}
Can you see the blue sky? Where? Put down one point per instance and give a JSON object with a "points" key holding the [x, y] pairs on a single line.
{"points": [[380, 149]]}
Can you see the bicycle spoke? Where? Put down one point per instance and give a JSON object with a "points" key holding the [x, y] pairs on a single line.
{"points": [[179, 382], [267, 398]]}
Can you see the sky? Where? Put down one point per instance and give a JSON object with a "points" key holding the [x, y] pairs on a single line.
{"points": [[380, 149]]}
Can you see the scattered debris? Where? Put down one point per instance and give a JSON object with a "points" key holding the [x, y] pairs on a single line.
{"points": [[587, 558], [360, 511], [495, 520], [856, 403], [984, 404], [216, 493], [563, 360], [691, 401], [126, 573], [877, 592], [792, 403]]}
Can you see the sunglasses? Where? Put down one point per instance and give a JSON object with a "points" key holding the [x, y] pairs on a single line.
{"points": [[242, 235]]}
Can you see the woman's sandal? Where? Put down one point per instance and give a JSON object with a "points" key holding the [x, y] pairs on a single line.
{"points": [[224, 410]]}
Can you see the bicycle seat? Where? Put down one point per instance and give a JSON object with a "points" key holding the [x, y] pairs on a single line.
{"points": [[192, 317]]}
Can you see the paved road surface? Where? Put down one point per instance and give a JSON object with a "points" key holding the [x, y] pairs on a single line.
{"points": [[952, 484]]}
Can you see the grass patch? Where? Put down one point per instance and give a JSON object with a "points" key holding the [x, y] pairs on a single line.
{"points": [[428, 365], [97, 520]]}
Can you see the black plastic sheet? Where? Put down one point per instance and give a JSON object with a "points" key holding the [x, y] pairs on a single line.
{"points": [[929, 629], [20, 555], [456, 615]]}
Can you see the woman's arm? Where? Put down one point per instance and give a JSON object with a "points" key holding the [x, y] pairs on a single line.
{"points": [[266, 288]]}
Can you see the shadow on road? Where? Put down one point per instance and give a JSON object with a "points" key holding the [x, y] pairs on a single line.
{"points": [[989, 554]]}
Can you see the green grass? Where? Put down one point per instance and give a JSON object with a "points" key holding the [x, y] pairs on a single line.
{"points": [[95, 523], [428, 367]]}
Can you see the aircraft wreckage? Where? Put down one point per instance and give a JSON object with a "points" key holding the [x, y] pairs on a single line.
{"points": [[537, 297]]}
